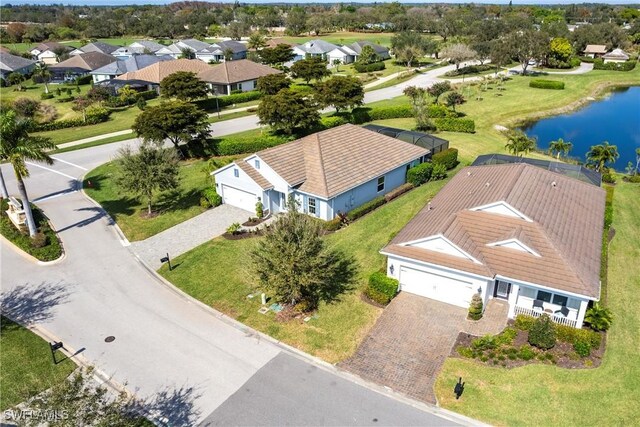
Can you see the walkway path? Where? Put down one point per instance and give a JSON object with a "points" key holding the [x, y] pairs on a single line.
{"points": [[187, 235]]}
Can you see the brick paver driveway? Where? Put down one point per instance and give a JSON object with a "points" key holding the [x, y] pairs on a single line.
{"points": [[408, 344]]}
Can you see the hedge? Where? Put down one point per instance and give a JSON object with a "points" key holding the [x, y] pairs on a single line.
{"points": [[212, 196], [368, 68], [147, 94], [436, 111], [546, 84], [366, 208], [364, 115], [45, 95], [455, 125], [448, 157], [241, 145], [94, 116], [599, 64], [563, 332], [84, 80], [420, 174], [381, 288], [209, 104], [332, 121], [398, 191]]}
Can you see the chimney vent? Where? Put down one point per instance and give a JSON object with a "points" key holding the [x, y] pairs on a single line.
{"points": [[554, 184], [429, 206]]}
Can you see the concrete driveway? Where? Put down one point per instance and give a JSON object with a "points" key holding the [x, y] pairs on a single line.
{"points": [[407, 346]]}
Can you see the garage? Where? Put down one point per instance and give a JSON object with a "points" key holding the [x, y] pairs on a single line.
{"points": [[239, 198], [437, 287]]}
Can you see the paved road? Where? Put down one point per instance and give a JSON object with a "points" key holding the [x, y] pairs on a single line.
{"points": [[183, 360]]}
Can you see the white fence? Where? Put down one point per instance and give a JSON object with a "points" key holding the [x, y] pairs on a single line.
{"points": [[558, 319]]}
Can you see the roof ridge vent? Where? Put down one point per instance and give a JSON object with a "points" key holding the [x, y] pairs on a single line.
{"points": [[488, 184], [554, 184]]}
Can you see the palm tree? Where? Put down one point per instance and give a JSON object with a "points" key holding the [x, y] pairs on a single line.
{"points": [[560, 146], [42, 71], [256, 41], [519, 143], [16, 146], [600, 155]]}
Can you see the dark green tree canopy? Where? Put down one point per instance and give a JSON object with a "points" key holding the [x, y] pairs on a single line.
{"points": [[314, 68], [368, 56], [288, 112], [176, 121], [273, 83], [183, 85], [340, 92], [438, 89], [277, 55]]}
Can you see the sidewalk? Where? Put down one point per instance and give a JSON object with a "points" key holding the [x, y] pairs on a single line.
{"points": [[94, 138]]}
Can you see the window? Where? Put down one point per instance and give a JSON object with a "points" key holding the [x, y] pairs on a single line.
{"points": [[311, 205], [528, 292], [236, 173], [544, 296], [573, 304], [257, 164], [380, 184], [560, 300]]}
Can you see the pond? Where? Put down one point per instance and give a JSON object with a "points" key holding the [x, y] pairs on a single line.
{"points": [[615, 119]]}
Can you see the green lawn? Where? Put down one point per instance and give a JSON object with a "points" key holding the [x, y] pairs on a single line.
{"points": [[548, 395], [27, 367], [345, 37], [175, 207], [95, 143], [8, 94], [339, 327]]}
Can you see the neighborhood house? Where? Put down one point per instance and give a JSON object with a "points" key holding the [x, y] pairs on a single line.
{"points": [[515, 232], [329, 172], [122, 66], [231, 76], [14, 64], [49, 52], [79, 65]]}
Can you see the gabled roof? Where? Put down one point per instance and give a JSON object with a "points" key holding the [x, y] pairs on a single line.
{"points": [[357, 47], [233, 45], [254, 175], [98, 47], [595, 48], [236, 71], [134, 63], [44, 46], [86, 61], [11, 63], [317, 47], [156, 72], [616, 54], [139, 47], [567, 218], [333, 161]]}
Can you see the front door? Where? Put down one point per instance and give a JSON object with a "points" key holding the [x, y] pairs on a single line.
{"points": [[501, 289]]}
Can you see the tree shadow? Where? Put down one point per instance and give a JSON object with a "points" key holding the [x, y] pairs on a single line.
{"points": [[73, 186], [28, 304], [170, 407], [341, 272], [94, 182], [99, 213], [177, 200]]}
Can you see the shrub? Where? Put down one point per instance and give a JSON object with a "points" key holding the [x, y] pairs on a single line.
{"points": [[469, 69], [524, 322], [465, 352], [204, 203], [44, 95], [598, 317], [453, 124], [609, 178], [398, 191], [65, 99], [240, 145], [259, 209], [572, 335], [333, 225], [366, 114], [507, 336], [526, 353], [436, 111], [209, 104], [448, 158], [234, 228], [599, 64], [546, 84], [94, 115], [366, 208], [543, 333], [420, 174], [212, 196], [332, 122], [475, 308], [147, 94], [439, 172], [487, 342], [383, 286], [141, 103], [634, 179], [582, 348], [368, 68], [26, 107], [84, 80]]}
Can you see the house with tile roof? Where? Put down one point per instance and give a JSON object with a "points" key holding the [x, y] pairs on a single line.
{"points": [[14, 64], [318, 48], [235, 75], [383, 52], [514, 232], [594, 50], [151, 76], [219, 51], [48, 52], [95, 47], [140, 47], [120, 66], [175, 49], [616, 55], [328, 173], [79, 65]]}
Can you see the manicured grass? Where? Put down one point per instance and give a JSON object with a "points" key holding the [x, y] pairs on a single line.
{"points": [[390, 68], [102, 141], [345, 37], [547, 395], [339, 327], [405, 76], [8, 94], [27, 368], [127, 211]]}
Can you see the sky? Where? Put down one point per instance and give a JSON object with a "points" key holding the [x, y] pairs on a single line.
{"points": [[138, 2]]}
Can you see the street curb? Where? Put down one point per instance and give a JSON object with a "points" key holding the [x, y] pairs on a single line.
{"points": [[33, 259], [123, 239]]}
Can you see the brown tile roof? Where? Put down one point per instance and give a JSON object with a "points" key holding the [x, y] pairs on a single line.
{"points": [[44, 46], [333, 161], [236, 71], [595, 48], [158, 71], [566, 226], [254, 175], [86, 61]]}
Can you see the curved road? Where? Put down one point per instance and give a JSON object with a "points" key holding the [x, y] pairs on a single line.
{"points": [[189, 365]]}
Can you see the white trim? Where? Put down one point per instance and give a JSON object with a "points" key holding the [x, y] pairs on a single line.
{"points": [[517, 242], [515, 211], [536, 285], [223, 168], [429, 264], [440, 236], [315, 196]]}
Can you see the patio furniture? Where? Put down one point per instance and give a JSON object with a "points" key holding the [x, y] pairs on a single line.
{"points": [[538, 305], [564, 312]]}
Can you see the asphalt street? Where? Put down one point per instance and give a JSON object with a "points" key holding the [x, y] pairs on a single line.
{"points": [[183, 361]]}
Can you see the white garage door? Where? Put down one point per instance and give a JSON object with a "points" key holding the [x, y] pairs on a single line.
{"points": [[239, 198], [440, 288]]}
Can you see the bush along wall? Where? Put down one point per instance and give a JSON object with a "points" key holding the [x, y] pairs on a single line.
{"points": [[452, 124], [368, 68], [381, 288], [420, 174], [546, 84], [448, 158], [94, 116], [209, 104], [599, 64]]}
